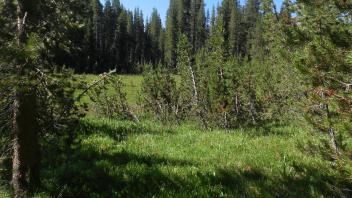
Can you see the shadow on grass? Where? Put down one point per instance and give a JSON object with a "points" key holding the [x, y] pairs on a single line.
{"points": [[119, 130], [125, 174], [274, 128], [92, 173], [306, 182]]}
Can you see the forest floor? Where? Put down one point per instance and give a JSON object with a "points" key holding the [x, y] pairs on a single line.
{"points": [[112, 158]]}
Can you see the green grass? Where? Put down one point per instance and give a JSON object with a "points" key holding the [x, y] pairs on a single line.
{"points": [[113, 158], [4, 193], [133, 84]]}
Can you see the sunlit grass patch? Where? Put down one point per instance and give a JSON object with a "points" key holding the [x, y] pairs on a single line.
{"points": [[133, 84], [4, 193], [113, 158]]}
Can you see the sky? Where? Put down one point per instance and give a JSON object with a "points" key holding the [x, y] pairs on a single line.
{"points": [[162, 5]]}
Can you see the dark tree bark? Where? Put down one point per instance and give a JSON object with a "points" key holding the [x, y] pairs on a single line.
{"points": [[25, 142], [25, 161]]}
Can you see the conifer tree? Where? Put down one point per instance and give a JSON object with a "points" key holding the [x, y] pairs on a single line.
{"points": [[251, 24], [234, 30], [121, 42], [252, 12], [212, 21], [156, 34], [108, 35], [97, 32], [139, 37], [322, 35], [200, 35], [39, 99], [226, 10], [171, 34], [160, 94], [116, 7], [188, 87], [184, 16], [217, 87]]}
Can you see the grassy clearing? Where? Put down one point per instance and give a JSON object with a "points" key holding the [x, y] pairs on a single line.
{"points": [[133, 84], [111, 158], [123, 159]]}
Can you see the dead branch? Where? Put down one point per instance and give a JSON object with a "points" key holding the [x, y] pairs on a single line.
{"points": [[103, 76], [42, 79]]}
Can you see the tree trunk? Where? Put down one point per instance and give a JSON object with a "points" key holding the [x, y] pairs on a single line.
{"points": [[236, 104], [251, 102], [333, 141], [25, 142], [18, 167], [194, 86], [331, 133], [25, 161]]}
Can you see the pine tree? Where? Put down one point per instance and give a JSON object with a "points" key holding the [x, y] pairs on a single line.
{"points": [[226, 10], [25, 125], [138, 38], [40, 101], [171, 34], [252, 25], [184, 17], [121, 42], [216, 101], [162, 45], [156, 34], [234, 30], [116, 7], [160, 94], [323, 36], [98, 33], [188, 87], [207, 24], [252, 12], [108, 35], [200, 34], [212, 21], [130, 38]]}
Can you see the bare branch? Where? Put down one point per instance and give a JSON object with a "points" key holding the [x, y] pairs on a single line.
{"points": [[24, 18], [348, 86], [42, 77], [103, 76]]}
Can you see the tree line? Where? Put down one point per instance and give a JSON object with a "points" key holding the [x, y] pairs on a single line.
{"points": [[109, 36]]}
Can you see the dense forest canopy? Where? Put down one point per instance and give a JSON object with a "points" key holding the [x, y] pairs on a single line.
{"points": [[257, 99], [110, 36]]}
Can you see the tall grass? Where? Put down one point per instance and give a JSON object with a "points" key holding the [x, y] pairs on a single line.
{"points": [[123, 159]]}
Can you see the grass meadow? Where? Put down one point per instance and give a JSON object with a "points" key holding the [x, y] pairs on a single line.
{"points": [[113, 158]]}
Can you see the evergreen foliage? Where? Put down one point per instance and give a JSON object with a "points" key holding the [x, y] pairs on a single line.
{"points": [[36, 96], [321, 38], [160, 94]]}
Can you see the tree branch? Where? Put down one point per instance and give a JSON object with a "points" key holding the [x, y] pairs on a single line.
{"points": [[94, 83]]}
